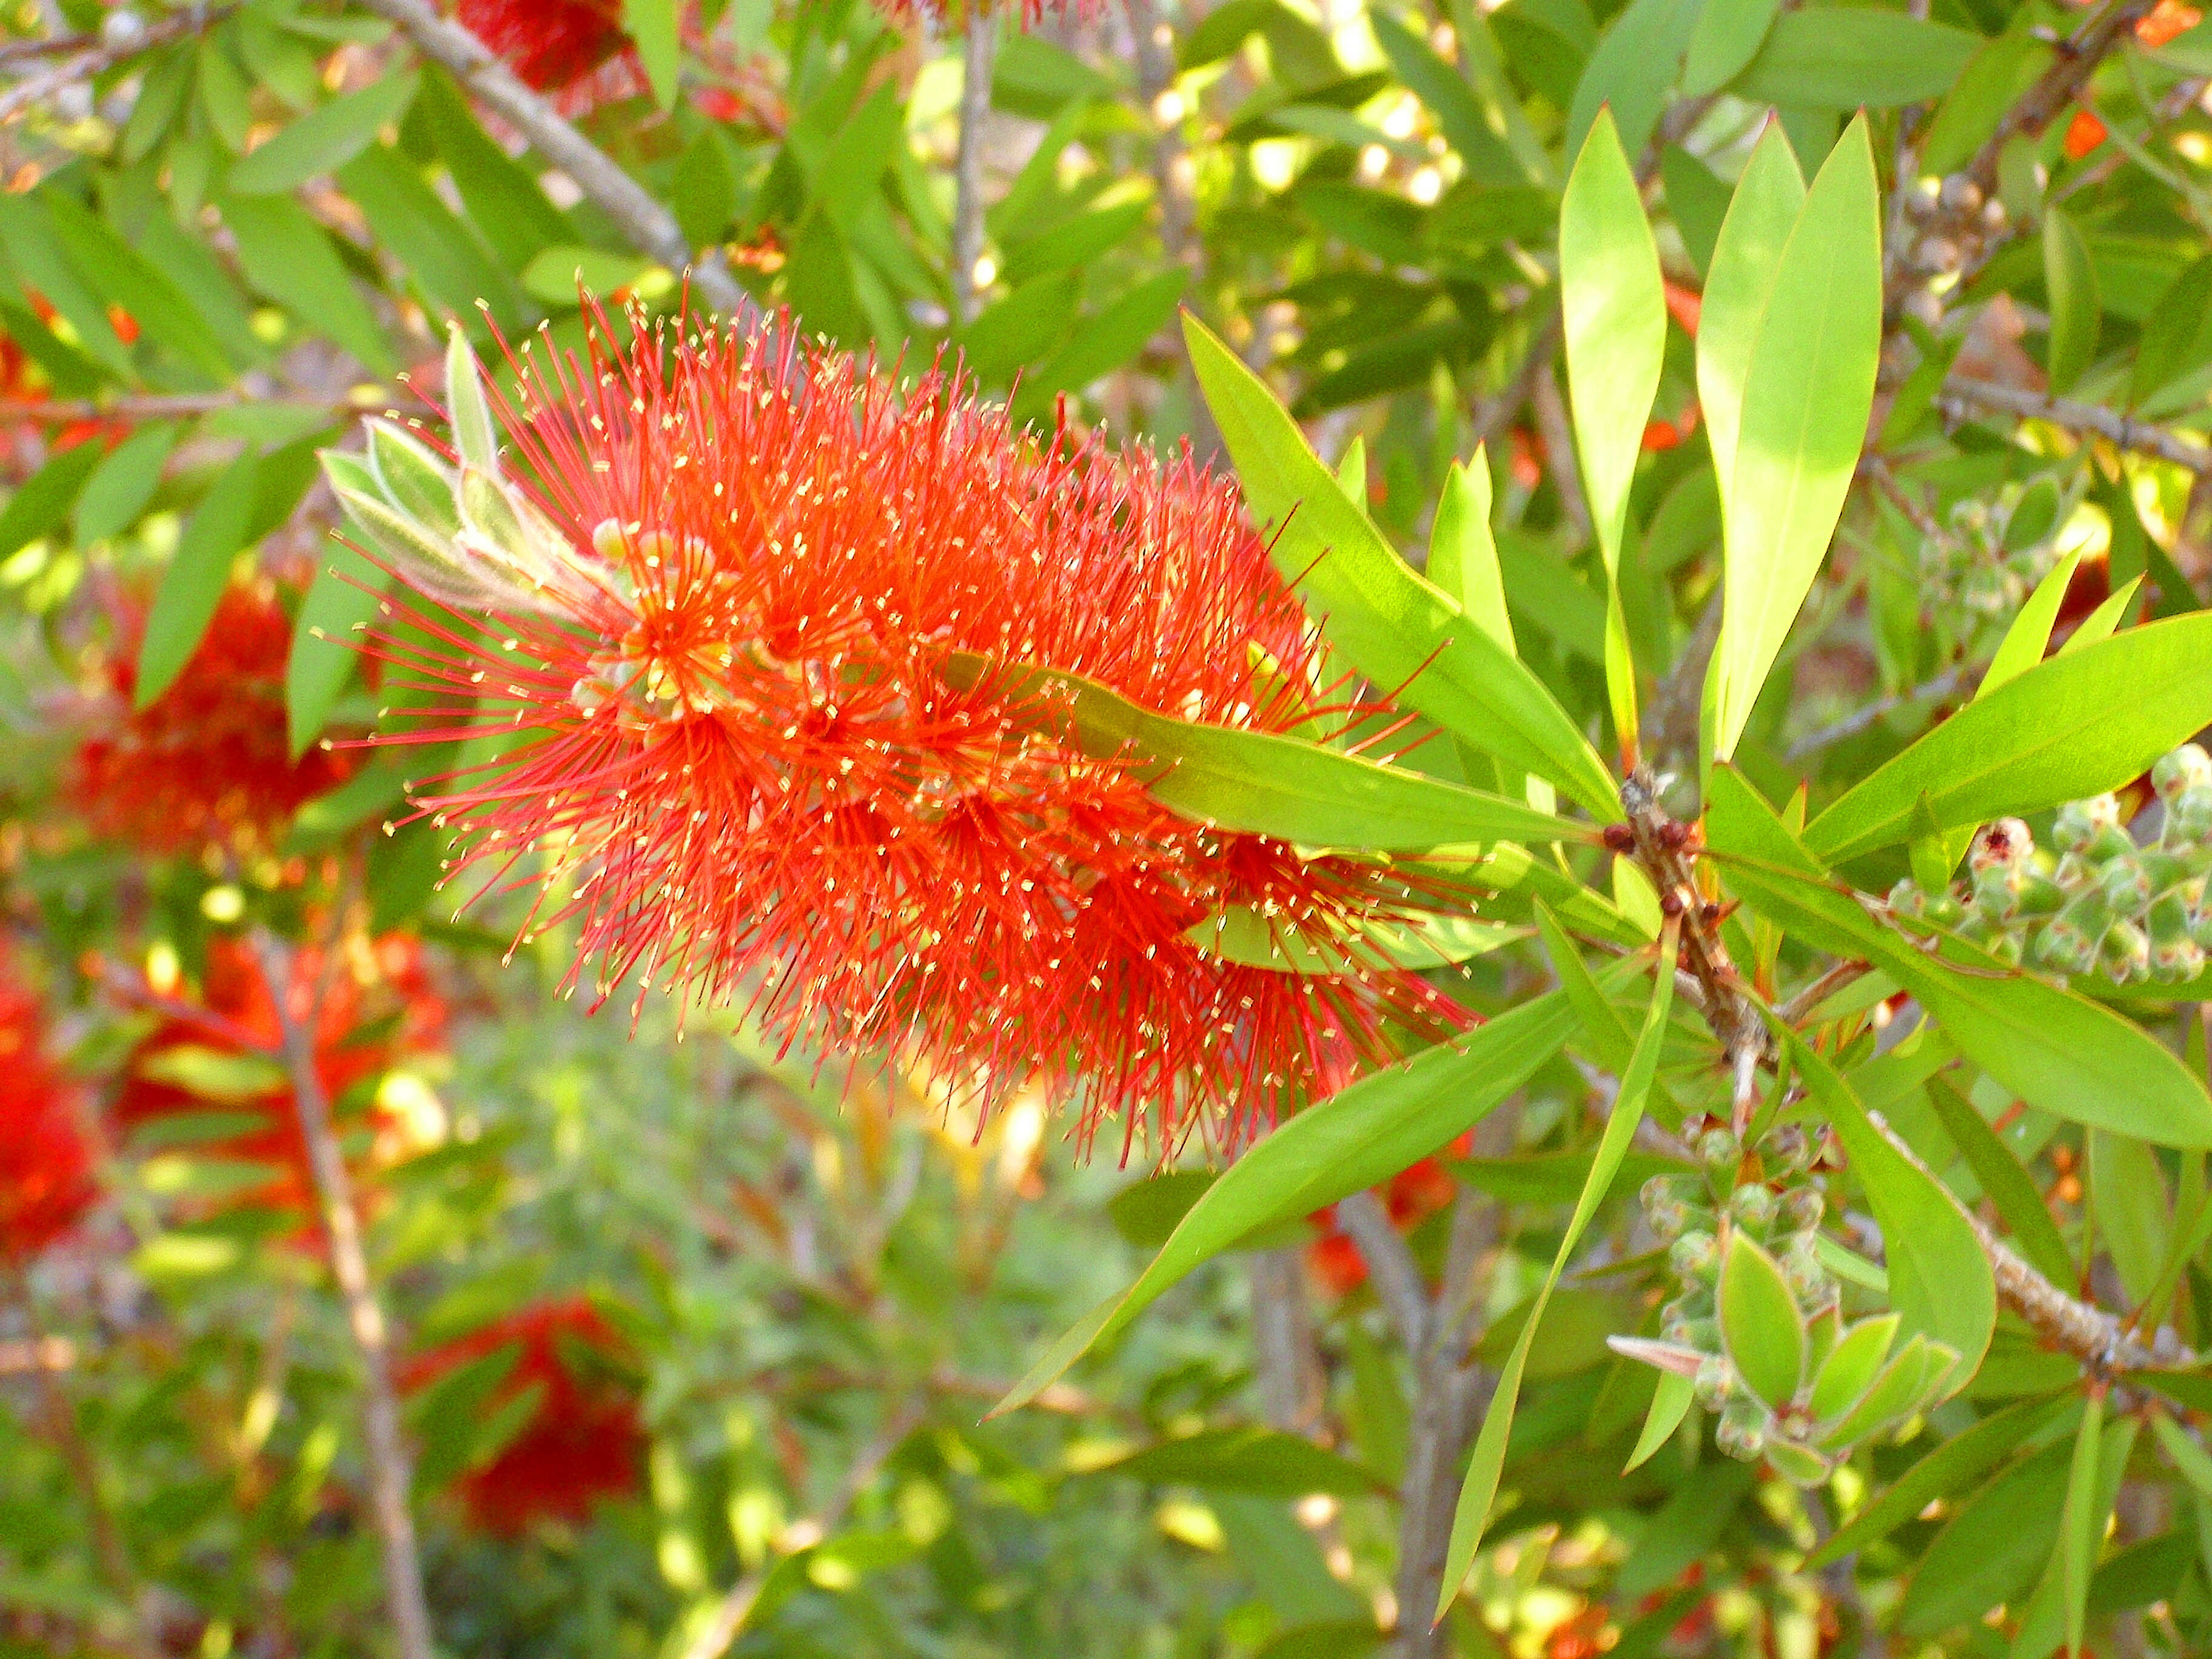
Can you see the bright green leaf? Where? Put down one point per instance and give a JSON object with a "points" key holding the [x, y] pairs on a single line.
{"points": [[324, 139], [191, 588], [1761, 1325], [2077, 306]]}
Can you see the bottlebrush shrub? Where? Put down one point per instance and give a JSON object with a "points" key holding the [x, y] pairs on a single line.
{"points": [[47, 1181], [206, 764], [376, 1005], [784, 661], [567, 1394]]}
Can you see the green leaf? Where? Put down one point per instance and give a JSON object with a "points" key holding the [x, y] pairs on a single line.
{"points": [[2083, 1528], [289, 259], [43, 501], [1670, 1403], [2029, 637], [1261, 783], [2077, 308], [2177, 334], [122, 484], [476, 435], [1147, 1212], [1727, 38], [191, 588], [2077, 724], [503, 197], [1377, 1126], [1807, 392], [1843, 58], [1991, 84], [2005, 1182], [1479, 1489], [2189, 1458], [1397, 629], [324, 139], [1632, 71], [2134, 1210], [1246, 1459], [1465, 125], [1990, 1549], [652, 28], [342, 597], [2102, 623], [1940, 1473], [1851, 1366], [1247, 934], [555, 276], [1102, 342], [2054, 1048], [1614, 306], [1462, 552], [1760, 1324], [126, 277]]}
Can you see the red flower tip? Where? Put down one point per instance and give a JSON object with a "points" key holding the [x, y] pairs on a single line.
{"points": [[583, 1441], [46, 1165], [551, 44], [1685, 305], [376, 1005], [2084, 133], [208, 762], [772, 646], [2167, 21]]}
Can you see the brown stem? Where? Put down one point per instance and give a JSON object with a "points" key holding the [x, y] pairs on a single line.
{"points": [[1959, 677], [651, 228], [1287, 1365], [1963, 399], [1390, 1265], [389, 1473], [979, 52], [85, 56]]}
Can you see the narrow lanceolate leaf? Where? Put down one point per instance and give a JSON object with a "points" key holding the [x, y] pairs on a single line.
{"points": [[1940, 1282], [2029, 637], [1614, 306], [1728, 36], [324, 139], [191, 588], [1462, 552], [2005, 1182], [1377, 1126], [1398, 629], [2077, 306], [2077, 724], [1746, 258], [1760, 1323], [1670, 1403], [1480, 1488], [1264, 784], [652, 28], [2083, 1528], [1806, 397], [2052, 1048], [476, 435]]}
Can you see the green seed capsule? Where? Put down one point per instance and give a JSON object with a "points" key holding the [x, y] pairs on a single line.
{"points": [[2127, 886], [2126, 952], [1905, 899], [2176, 769]]}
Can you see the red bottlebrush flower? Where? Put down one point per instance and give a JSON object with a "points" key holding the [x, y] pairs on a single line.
{"points": [[2084, 134], [208, 762], [552, 45], [2167, 21], [766, 642], [584, 1440], [46, 1165], [376, 1005]]}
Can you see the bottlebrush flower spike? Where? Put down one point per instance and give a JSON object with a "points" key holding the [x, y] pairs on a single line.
{"points": [[376, 1006], [583, 1441], [774, 646], [551, 44], [207, 764], [46, 1165]]}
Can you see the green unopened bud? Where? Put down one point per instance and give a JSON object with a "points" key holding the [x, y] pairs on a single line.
{"points": [[1694, 1256], [2188, 815], [1997, 891], [1905, 899], [1802, 1207], [1741, 1435], [1944, 910], [2176, 962], [1787, 1149], [2064, 948], [2181, 769], [1714, 1384], [2127, 886], [2079, 822], [2006, 948], [1755, 1205], [1718, 1149], [2126, 952], [2040, 895]]}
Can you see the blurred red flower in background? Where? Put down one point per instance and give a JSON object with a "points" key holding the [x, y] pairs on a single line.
{"points": [[208, 762], [771, 660], [550, 44], [46, 1162], [582, 1441], [377, 1005]]}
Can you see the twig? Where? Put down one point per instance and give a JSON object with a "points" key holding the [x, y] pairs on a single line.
{"points": [[1397, 1277], [650, 227], [1559, 453], [1960, 677], [1284, 1359], [1834, 980], [979, 52], [1670, 718], [736, 1606], [2098, 1340], [1497, 413], [1962, 399], [388, 1470], [91, 55]]}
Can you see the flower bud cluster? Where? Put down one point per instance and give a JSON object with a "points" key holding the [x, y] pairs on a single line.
{"points": [[2098, 902], [1848, 1384]]}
